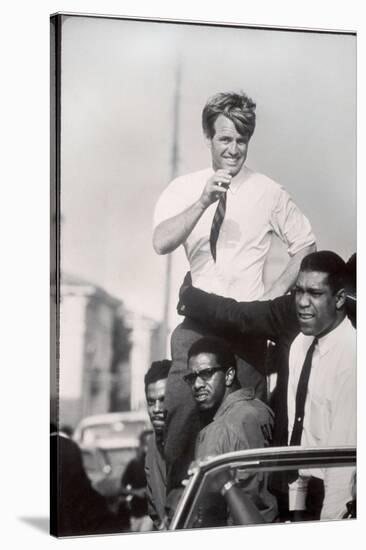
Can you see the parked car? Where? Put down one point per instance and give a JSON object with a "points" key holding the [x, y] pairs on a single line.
{"points": [[108, 442], [212, 474]]}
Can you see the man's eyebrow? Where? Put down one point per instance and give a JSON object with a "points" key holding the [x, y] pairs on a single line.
{"points": [[309, 288]]}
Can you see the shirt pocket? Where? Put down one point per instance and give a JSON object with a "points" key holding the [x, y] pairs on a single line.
{"points": [[318, 419]]}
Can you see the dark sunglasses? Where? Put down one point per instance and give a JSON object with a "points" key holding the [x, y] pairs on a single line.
{"points": [[204, 375]]}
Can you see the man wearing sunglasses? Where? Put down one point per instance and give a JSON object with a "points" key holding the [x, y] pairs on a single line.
{"points": [[232, 418]]}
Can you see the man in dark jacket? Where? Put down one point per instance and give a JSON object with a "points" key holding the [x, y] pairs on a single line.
{"points": [[275, 319], [233, 419], [155, 468]]}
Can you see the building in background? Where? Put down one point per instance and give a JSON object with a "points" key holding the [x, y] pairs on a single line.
{"points": [[105, 350]]}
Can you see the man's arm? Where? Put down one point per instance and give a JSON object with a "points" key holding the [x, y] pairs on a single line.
{"points": [[171, 233], [288, 277], [270, 319], [294, 229]]}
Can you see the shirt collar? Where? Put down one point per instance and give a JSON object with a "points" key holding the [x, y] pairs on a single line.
{"points": [[328, 341], [238, 180]]}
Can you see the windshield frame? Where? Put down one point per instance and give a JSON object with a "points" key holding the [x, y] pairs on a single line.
{"points": [[270, 459]]}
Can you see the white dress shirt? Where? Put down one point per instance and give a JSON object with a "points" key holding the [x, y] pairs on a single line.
{"points": [[330, 411], [256, 207]]}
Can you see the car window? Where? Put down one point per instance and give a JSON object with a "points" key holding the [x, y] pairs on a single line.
{"points": [[210, 508], [116, 430]]}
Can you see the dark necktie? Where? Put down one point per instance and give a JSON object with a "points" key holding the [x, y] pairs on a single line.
{"points": [[216, 224], [301, 392]]}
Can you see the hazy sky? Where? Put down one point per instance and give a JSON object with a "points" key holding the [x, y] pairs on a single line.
{"points": [[118, 80]]}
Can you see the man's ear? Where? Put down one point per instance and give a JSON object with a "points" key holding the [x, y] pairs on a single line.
{"points": [[230, 376], [208, 141], [340, 298]]}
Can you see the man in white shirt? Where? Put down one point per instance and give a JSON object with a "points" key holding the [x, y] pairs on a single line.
{"points": [[328, 416], [256, 207], [224, 217]]}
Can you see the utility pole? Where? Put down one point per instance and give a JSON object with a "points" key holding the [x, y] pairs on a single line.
{"points": [[174, 164]]}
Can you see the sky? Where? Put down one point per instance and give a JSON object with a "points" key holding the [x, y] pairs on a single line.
{"points": [[118, 88]]}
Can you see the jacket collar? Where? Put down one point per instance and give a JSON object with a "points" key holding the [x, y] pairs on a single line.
{"points": [[244, 394]]}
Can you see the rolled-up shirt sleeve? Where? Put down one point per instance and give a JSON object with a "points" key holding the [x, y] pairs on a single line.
{"points": [[290, 224], [173, 201]]}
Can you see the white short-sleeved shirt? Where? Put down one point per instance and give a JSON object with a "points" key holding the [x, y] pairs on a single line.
{"points": [[256, 207], [330, 410]]}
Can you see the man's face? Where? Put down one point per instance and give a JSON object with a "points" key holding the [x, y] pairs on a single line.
{"points": [[228, 147], [209, 390], [316, 304], [155, 395]]}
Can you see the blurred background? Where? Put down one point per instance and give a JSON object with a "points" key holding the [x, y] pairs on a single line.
{"points": [[132, 93]]}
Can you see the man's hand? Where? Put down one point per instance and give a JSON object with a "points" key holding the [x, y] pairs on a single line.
{"points": [[129, 491], [218, 481], [215, 186], [187, 283]]}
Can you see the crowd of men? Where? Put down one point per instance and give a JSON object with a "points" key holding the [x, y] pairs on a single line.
{"points": [[237, 335]]}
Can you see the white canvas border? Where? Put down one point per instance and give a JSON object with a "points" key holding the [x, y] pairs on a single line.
{"points": [[25, 262]]}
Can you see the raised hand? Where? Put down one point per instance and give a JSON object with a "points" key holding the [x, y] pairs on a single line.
{"points": [[217, 184]]}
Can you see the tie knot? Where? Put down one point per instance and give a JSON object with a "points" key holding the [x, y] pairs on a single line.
{"points": [[311, 348]]}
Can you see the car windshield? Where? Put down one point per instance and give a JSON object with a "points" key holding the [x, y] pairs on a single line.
{"points": [[114, 430], [210, 508], [243, 492]]}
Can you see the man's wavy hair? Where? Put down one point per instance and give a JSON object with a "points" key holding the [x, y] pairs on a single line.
{"points": [[238, 107]]}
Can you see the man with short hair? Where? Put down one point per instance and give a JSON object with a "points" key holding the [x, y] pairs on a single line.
{"points": [[224, 216], [316, 308], [230, 262], [155, 468], [321, 392], [233, 419]]}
